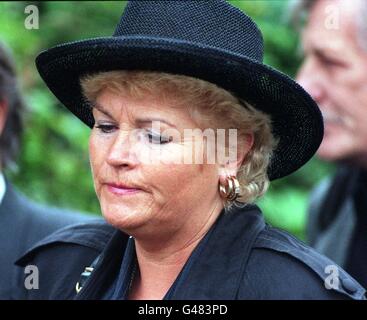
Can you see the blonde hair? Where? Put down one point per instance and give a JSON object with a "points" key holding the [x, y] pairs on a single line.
{"points": [[207, 104]]}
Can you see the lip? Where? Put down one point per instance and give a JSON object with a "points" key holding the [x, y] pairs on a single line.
{"points": [[120, 189]]}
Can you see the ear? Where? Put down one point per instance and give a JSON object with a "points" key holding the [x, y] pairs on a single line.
{"points": [[231, 166], [3, 114]]}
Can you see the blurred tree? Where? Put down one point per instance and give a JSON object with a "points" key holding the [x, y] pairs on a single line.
{"points": [[54, 165]]}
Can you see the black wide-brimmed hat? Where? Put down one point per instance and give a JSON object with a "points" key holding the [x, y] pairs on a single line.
{"points": [[209, 40]]}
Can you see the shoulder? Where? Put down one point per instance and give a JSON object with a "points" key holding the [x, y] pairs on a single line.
{"points": [[94, 233], [34, 221], [283, 267], [39, 218], [61, 257]]}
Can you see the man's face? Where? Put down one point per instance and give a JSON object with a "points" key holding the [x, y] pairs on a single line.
{"points": [[334, 72]]}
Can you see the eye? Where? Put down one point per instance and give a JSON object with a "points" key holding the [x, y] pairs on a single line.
{"points": [[329, 62], [157, 138], [106, 128]]}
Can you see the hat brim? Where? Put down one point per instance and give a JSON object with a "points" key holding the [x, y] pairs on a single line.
{"points": [[296, 119]]}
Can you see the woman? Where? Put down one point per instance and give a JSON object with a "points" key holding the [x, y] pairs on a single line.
{"points": [[183, 226]]}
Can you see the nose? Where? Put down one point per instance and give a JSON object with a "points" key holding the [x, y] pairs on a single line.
{"points": [[121, 152], [311, 80]]}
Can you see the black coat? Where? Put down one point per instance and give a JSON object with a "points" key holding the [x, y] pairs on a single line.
{"points": [[241, 258], [337, 220], [22, 224]]}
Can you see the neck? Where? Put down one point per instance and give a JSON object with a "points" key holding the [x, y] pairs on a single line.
{"points": [[160, 265], [155, 275]]}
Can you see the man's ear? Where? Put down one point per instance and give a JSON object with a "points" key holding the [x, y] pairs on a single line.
{"points": [[3, 115], [231, 166]]}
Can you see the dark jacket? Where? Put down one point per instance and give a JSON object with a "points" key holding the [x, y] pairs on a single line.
{"points": [[22, 224], [240, 258], [337, 220], [332, 215]]}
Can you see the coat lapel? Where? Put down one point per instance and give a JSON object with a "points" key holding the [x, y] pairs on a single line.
{"points": [[106, 270], [218, 266]]}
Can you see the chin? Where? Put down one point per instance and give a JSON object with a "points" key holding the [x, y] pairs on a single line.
{"points": [[123, 218]]}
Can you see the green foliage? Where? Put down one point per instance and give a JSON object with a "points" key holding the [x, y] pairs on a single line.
{"points": [[54, 166]]}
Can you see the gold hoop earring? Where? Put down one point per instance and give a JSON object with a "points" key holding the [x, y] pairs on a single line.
{"points": [[231, 191]]}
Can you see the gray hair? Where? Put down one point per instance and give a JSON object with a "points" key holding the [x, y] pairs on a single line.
{"points": [[9, 92], [299, 10]]}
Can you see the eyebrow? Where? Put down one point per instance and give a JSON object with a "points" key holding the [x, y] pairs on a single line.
{"points": [[96, 105], [138, 121], [149, 120], [324, 53]]}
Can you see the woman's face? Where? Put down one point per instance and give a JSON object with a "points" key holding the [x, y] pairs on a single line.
{"points": [[126, 151]]}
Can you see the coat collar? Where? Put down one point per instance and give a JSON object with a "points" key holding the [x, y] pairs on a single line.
{"points": [[216, 271], [220, 258]]}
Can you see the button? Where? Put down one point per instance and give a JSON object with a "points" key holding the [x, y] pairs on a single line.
{"points": [[349, 285]]}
